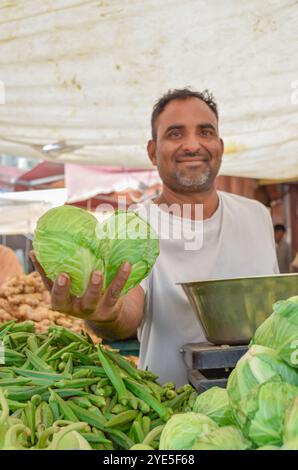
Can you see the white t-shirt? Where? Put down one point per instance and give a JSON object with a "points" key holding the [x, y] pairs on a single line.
{"points": [[237, 241]]}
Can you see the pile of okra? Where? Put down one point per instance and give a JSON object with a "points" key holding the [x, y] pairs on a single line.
{"points": [[61, 375]]}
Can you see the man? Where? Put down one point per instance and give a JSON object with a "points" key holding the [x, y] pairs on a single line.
{"points": [[187, 150], [9, 264], [282, 248]]}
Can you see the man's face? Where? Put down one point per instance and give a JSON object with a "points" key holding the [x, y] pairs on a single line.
{"points": [[278, 235], [188, 149]]}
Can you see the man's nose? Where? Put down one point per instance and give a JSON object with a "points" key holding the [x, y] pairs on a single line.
{"points": [[192, 144]]}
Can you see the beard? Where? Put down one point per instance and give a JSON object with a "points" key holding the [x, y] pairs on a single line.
{"points": [[194, 183]]}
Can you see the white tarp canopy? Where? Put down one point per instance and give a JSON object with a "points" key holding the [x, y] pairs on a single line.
{"points": [[20, 211], [86, 73]]}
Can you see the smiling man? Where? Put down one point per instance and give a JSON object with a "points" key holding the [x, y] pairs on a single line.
{"points": [[234, 237]]}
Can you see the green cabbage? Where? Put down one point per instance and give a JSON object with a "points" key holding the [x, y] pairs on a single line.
{"points": [[260, 364], [269, 448], [291, 445], [215, 404], [261, 413], [290, 431], [280, 331], [127, 237], [182, 430], [71, 240], [224, 438]]}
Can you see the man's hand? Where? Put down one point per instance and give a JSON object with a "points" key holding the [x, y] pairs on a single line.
{"points": [[94, 305]]}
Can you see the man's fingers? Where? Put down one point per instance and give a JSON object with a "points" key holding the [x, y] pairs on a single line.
{"points": [[60, 295], [92, 295], [113, 292], [47, 282]]}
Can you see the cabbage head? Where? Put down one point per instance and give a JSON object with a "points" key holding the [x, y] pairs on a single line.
{"points": [[127, 237], [291, 445], [215, 404], [280, 331], [290, 431], [71, 240], [260, 364], [224, 438], [182, 430], [269, 448], [261, 413]]}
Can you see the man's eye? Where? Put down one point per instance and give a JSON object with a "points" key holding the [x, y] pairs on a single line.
{"points": [[206, 132], [175, 133]]}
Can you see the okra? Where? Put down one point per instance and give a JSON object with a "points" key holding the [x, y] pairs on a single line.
{"points": [[30, 419], [119, 409], [153, 434], [13, 357], [122, 418], [4, 407], [65, 409], [88, 416], [5, 330], [25, 393], [37, 377], [143, 406], [7, 324], [13, 381], [78, 383], [143, 393], [98, 371], [37, 362], [16, 405], [146, 423], [136, 432], [26, 326], [120, 439], [124, 364], [114, 377], [59, 354], [44, 415], [94, 438], [67, 335], [83, 402], [97, 401], [32, 343]]}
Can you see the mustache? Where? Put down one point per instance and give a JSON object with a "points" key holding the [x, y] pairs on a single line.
{"points": [[193, 154]]}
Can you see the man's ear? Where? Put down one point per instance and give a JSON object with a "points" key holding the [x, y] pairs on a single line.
{"points": [[151, 150], [222, 147]]}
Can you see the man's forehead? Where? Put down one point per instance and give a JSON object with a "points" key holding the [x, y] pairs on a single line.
{"points": [[186, 109]]}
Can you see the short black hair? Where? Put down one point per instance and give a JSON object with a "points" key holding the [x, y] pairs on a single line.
{"points": [[280, 227], [181, 94]]}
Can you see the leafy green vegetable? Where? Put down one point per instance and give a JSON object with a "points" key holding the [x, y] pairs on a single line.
{"points": [[291, 445], [290, 431], [280, 331], [215, 404], [183, 430], [127, 237], [260, 414], [71, 240], [224, 438], [257, 366]]}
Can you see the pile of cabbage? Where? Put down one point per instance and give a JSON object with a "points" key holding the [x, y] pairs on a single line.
{"points": [[259, 408], [71, 240]]}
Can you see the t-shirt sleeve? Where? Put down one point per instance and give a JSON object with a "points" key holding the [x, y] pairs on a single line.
{"points": [[270, 231]]}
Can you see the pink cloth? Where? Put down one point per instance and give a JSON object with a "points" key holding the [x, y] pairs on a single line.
{"points": [[85, 181]]}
